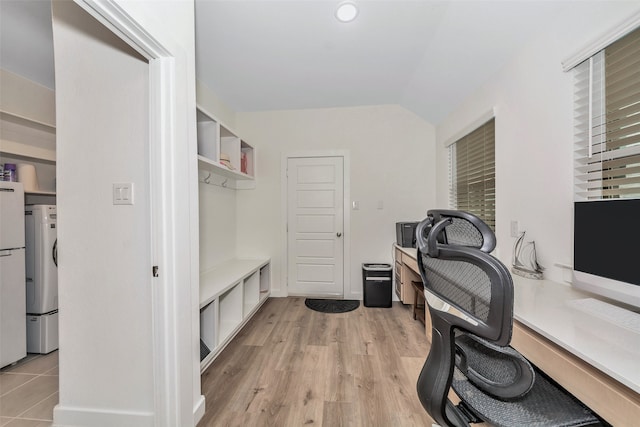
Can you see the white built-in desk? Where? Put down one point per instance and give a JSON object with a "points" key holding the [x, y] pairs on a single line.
{"points": [[597, 361], [543, 306]]}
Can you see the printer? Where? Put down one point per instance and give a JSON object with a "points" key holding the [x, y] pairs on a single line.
{"points": [[406, 234]]}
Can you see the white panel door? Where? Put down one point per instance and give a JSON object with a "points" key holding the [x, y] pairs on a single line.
{"points": [[315, 225]]}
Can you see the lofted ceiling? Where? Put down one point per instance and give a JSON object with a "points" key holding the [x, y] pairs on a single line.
{"points": [[424, 55], [278, 55]]}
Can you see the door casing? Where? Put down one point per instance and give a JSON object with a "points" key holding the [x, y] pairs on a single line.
{"points": [[174, 376], [347, 285]]}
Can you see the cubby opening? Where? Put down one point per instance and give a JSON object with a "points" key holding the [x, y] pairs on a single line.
{"points": [[230, 312], [208, 324], [246, 159], [251, 293], [265, 281], [208, 135]]}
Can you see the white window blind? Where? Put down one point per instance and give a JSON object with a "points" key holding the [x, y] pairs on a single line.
{"points": [[607, 117], [472, 173]]}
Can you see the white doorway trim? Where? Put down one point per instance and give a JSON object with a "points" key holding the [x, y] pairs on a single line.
{"points": [[347, 289], [171, 382]]}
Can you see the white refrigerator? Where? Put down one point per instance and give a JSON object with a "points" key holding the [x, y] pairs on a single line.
{"points": [[13, 326]]}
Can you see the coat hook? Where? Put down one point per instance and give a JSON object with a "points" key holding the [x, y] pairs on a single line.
{"points": [[224, 183], [207, 180]]}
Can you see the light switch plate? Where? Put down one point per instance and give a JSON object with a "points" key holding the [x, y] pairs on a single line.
{"points": [[123, 193]]}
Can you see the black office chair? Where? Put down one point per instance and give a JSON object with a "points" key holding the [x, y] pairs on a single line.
{"points": [[470, 299]]}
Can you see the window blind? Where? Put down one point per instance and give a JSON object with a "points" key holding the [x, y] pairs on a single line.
{"points": [[607, 122], [472, 173]]}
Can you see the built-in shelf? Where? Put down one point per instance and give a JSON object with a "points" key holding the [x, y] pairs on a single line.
{"points": [[9, 116], [209, 165], [41, 193], [27, 138], [221, 151], [26, 151], [230, 294]]}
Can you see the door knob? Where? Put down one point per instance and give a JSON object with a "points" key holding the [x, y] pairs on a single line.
{"points": [[338, 234]]}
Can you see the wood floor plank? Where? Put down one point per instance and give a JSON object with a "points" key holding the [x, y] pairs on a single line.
{"points": [[370, 404], [339, 414], [292, 366], [306, 399], [340, 386]]}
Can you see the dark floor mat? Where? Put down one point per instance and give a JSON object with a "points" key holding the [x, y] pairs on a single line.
{"points": [[331, 305]]}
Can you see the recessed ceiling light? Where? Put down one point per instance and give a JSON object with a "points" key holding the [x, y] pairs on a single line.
{"points": [[346, 11]]}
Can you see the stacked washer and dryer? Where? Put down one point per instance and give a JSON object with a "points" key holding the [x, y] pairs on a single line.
{"points": [[41, 257]]}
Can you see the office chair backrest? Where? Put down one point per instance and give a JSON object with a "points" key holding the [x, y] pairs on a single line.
{"points": [[456, 268], [466, 289], [465, 229]]}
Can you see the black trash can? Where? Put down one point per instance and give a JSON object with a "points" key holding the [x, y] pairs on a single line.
{"points": [[376, 281]]}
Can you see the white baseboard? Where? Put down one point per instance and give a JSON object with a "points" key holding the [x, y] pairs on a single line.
{"points": [[198, 410], [278, 293], [69, 416]]}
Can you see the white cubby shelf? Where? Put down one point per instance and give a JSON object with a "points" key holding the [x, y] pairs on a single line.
{"points": [[221, 151], [230, 294]]}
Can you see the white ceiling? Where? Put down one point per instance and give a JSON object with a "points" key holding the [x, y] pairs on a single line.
{"points": [[26, 42], [424, 55], [271, 55]]}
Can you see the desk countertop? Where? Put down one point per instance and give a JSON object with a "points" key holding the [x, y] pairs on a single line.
{"points": [[543, 306]]}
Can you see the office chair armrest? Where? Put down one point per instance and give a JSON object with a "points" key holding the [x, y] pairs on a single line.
{"points": [[499, 371]]}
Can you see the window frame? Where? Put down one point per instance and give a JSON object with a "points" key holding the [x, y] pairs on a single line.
{"points": [[477, 168], [607, 122]]}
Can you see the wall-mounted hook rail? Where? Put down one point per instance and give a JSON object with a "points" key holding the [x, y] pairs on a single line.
{"points": [[213, 179]]}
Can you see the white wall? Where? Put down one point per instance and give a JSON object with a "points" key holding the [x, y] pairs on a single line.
{"points": [[214, 105], [172, 23], [533, 102], [105, 249], [217, 224], [391, 160], [108, 355], [217, 204]]}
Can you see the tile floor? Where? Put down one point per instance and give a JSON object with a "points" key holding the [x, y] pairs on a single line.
{"points": [[29, 391]]}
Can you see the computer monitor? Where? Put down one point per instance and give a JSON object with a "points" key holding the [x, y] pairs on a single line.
{"points": [[607, 249]]}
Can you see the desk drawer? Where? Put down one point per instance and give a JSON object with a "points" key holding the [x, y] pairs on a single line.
{"points": [[411, 263], [398, 256]]}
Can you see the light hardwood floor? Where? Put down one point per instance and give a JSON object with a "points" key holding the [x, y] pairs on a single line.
{"points": [[291, 366]]}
